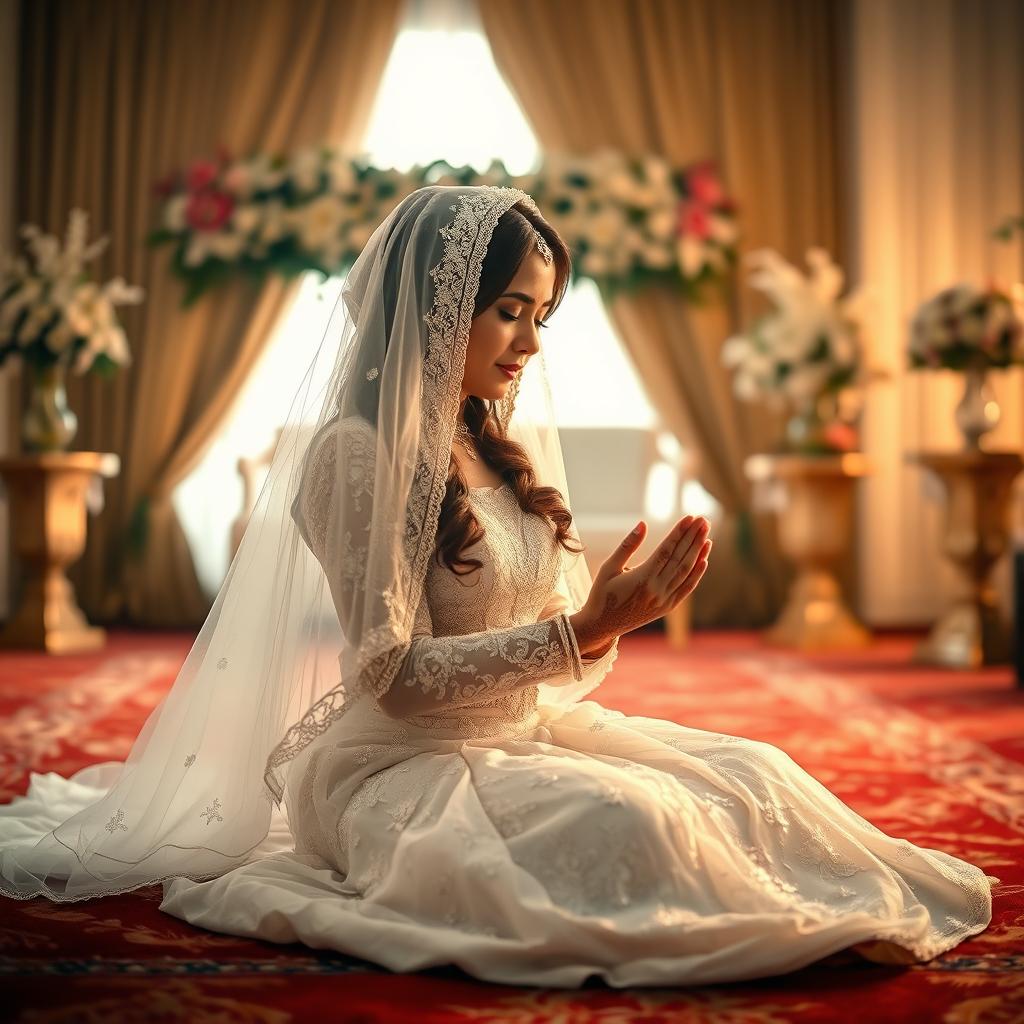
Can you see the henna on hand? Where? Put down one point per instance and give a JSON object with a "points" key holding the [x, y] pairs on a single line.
{"points": [[668, 576]]}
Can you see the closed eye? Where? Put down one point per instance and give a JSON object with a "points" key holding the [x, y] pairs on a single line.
{"points": [[509, 316]]}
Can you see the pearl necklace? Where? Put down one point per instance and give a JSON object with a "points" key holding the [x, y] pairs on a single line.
{"points": [[466, 439]]}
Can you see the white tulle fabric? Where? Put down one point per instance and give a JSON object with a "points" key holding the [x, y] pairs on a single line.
{"points": [[366, 752], [316, 614]]}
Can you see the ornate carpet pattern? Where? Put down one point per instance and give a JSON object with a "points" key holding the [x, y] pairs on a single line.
{"points": [[933, 756]]}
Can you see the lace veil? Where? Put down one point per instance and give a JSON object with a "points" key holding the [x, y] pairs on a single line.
{"points": [[316, 611]]}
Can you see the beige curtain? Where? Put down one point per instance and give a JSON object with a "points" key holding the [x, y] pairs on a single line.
{"points": [[937, 124], [113, 95], [751, 85]]}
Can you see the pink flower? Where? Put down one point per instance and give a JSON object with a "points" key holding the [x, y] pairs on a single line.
{"points": [[840, 436], [703, 185], [208, 210], [167, 185], [201, 174], [694, 219]]}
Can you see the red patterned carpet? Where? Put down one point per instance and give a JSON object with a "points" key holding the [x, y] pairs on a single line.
{"points": [[937, 757]]}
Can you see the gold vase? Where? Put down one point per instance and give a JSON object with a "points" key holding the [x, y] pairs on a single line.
{"points": [[978, 411], [49, 425]]}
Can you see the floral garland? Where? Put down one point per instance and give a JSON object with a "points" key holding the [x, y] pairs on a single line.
{"points": [[627, 221]]}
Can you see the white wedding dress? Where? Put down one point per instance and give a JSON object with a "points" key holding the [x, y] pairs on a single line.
{"points": [[533, 845]]}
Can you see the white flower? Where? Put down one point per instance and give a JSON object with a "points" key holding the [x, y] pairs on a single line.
{"points": [[276, 222], [174, 213], [606, 227], [88, 309], [746, 386], [811, 335], [44, 248], [657, 171], [225, 245], [305, 166], [644, 196], [56, 294], [196, 249], [661, 223], [659, 256], [735, 350], [239, 179], [826, 279], [121, 293], [109, 341], [264, 176], [320, 222], [594, 262], [806, 381], [26, 296], [723, 229], [691, 252], [245, 218]]}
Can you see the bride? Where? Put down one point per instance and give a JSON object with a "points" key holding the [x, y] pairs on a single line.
{"points": [[380, 742]]}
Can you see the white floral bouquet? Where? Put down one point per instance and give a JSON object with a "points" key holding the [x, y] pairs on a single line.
{"points": [[965, 326], [624, 219], [810, 347], [53, 313]]}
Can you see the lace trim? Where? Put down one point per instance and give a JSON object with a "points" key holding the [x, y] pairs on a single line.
{"points": [[56, 897], [455, 278], [482, 670]]}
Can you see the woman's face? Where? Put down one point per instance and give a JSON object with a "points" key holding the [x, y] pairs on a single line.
{"points": [[507, 331]]}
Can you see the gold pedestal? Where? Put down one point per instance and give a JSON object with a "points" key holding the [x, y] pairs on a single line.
{"points": [[814, 495], [47, 501], [971, 632]]}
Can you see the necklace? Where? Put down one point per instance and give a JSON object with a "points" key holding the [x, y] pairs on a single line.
{"points": [[466, 440]]}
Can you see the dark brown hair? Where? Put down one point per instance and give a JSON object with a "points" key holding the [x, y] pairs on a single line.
{"points": [[512, 240]]}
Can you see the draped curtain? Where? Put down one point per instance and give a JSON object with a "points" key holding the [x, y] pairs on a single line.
{"points": [[937, 127], [752, 86], [113, 95]]}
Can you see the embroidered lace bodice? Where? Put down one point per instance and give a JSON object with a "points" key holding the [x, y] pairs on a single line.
{"points": [[483, 640]]}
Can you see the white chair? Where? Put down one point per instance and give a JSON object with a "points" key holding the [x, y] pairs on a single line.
{"points": [[617, 476], [253, 471], [613, 474]]}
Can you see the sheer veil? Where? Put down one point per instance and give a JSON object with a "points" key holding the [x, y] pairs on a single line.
{"points": [[316, 611]]}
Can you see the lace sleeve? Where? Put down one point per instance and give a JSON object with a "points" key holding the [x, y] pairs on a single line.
{"points": [[557, 604], [437, 672], [339, 535], [452, 671]]}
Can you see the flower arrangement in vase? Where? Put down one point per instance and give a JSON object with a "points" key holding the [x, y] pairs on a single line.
{"points": [[971, 330], [806, 355], [54, 316]]}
